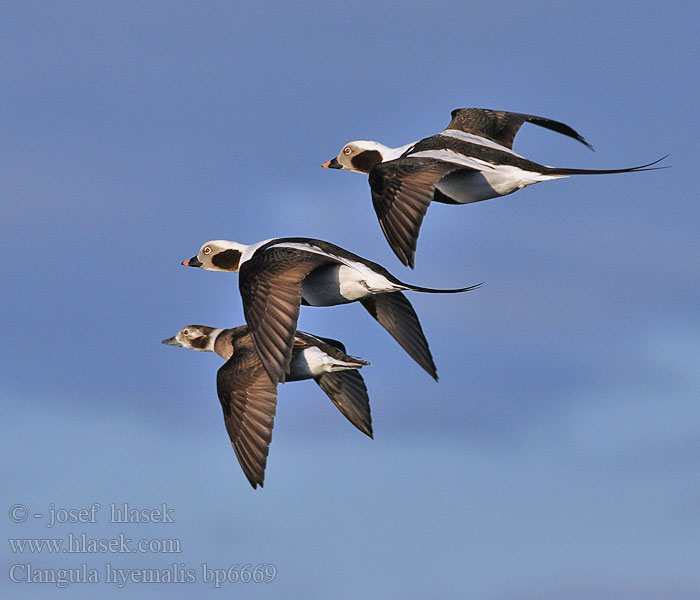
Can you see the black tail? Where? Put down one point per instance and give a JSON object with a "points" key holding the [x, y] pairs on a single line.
{"points": [[415, 288], [638, 169]]}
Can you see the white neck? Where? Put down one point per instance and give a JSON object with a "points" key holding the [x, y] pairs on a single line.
{"points": [[394, 153], [212, 339], [250, 250], [229, 245], [386, 152]]}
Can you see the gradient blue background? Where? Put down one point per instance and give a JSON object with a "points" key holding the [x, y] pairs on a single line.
{"points": [[558, 455]]}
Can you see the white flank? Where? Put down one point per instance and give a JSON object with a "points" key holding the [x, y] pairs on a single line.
{"points": [[505, 179], [356, 279], [318, 362]]}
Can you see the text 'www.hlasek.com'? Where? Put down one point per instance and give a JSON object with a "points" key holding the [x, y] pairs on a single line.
{"points": [[72, 544]]}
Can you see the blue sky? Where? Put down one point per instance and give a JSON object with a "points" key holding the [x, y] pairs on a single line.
{"points": [[558, 454]]}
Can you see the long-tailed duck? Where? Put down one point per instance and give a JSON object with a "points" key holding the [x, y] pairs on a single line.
{"points": [[280, 274], [469, 161], [249, 398]]}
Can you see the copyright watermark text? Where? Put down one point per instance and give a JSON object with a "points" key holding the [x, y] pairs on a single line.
{"points": [[75, 543]]}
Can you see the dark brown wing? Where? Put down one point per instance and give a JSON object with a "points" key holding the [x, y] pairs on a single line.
{"points": [[501, 126], [248, 399], [348, 392], [402, 190], [270, 286], [394, 312]]}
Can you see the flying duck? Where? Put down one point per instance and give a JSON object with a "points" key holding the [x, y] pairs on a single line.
{"points": [[280, 274], [248, 397], [469, 161]]}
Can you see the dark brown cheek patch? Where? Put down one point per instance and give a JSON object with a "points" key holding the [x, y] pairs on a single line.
{"points": [[366, 160], [200, 343], [228, 259]]}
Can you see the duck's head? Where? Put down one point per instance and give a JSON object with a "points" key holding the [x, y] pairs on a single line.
{"points": [[195, 337], [218, 255], [359, 156]]}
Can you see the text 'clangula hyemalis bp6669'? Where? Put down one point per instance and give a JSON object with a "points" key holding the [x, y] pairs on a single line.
{"points": [[278, 275], [469, 161], [249, 398]]}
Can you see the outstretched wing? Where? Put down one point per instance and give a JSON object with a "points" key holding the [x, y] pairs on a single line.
{"points": [[249, 400], [501, 126], [346, 389], [270, 286], [348, 392], [402, 190], [394, 312]]}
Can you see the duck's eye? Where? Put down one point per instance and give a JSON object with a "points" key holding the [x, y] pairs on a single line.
{"points": [[347, 150], [185, 332], [207, 250]]}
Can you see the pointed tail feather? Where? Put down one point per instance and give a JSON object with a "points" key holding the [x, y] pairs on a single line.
{"points": [[637, 169], [417, 288]]}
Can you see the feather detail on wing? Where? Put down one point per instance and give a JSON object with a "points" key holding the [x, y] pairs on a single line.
{"points": [[249, 400], [402, 190], [271, 288], [394, 312], [501, 126], [348, 392]]}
